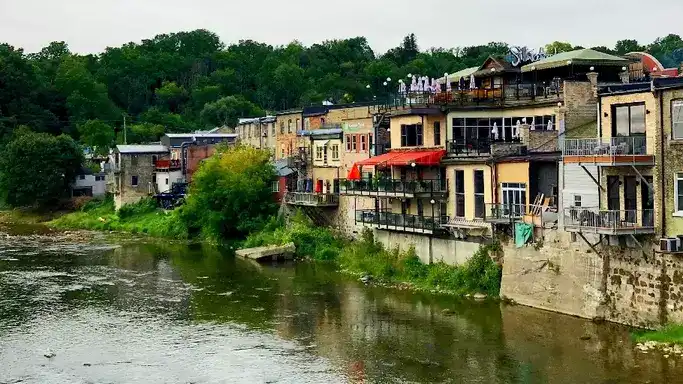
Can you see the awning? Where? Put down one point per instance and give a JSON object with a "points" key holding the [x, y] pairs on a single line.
{"points": [[418, 157], [381, 159]]}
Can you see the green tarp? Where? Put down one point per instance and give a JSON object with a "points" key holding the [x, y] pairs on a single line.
{"points": [[522, 234]]}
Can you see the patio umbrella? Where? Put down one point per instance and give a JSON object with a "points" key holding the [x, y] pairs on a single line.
{"points": [[515, 129], [495, 131], [413, 84], [550, 125], [473, 84], [437, 87], [461, 84], [420, 85], [354, 173]]}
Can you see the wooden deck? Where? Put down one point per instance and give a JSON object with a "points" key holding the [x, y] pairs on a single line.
{"points": [[610, 160]]}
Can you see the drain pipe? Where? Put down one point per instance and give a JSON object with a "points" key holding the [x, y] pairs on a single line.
{"points": [[662, 184], [183, 155]]}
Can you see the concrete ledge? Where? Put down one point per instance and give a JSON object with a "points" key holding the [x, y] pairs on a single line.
{"points": [[273, 252]]}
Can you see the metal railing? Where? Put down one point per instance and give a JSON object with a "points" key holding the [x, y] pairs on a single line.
{"points": [[401, 222], [605, 220], [469, 147], [505, 212], [393, 186], [312, 199], [606, 146]]}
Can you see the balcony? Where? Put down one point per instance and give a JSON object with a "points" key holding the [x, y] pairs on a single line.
{"points": [[608, 151], [504, 213], [393, 187], [609, 222], [401, 223], [469, 147], [166, 165], [312, 199]]}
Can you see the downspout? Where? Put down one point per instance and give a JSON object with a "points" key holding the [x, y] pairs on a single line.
{"points": [[662, 189], [183, 155]]}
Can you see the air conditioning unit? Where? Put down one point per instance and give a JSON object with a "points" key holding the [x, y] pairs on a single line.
{"points": [[668, 245]]}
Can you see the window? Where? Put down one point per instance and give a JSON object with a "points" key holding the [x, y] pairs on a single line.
{"points": [[318, 153], [411, 135], [459, 193], [577, 201], [289, 126], [307, 124], [298, 125], [249, 134], [134, 181], [679, 194], [272, 126], [154, 178], [628, 120], [420, 208], [677, 119], [82, 177], [514, 197], [405, 207], [348, 143], [479, 206], [282, 152], [363, 143], [264, 132], [335, 152], [437, 133], [282, 127], [354, 143], [275, 186]]}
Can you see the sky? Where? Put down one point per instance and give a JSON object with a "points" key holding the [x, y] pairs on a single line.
{"points": [[89, 26]]}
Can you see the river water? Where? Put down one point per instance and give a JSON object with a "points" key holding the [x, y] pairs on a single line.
{"points": [[165, 313]]}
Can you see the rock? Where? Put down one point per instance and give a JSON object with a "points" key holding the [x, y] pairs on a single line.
{"points": [[585, 337], [448, 312], [479, 296], [49, 354], [366, 279]]}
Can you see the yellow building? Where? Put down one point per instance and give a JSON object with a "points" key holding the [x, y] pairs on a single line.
{"points": [[287, 124]]}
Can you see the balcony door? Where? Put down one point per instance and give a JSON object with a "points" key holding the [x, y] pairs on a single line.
{"points": [[630, 198], [514, 198], [628, 127], [647, 203]]}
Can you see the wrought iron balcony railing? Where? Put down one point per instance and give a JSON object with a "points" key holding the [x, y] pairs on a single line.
{"points": [[609, 222]]}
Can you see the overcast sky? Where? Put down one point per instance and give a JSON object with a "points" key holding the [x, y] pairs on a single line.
{"points": [[89, 26]]}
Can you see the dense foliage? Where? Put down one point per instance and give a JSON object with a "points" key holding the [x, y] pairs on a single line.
{"points": [[230, 194], [37, 168], [189, 80]]}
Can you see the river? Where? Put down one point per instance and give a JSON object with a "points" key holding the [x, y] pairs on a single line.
{"points": [[171, 313]]}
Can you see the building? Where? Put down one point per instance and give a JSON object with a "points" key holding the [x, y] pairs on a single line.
{"points": [[187, 150], [89, 183], [287, 125], [639, 164], [133, 171], [286, 179]]}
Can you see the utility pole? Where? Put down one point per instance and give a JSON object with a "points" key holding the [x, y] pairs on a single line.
{"points": [[125, 141]]}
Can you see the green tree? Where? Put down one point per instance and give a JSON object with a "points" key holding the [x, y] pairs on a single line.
{"points": [[558, 47], [37, 168], [230, 194], [97, 135], [625, 46], [227, 111], [171, 96], [141, 133]]}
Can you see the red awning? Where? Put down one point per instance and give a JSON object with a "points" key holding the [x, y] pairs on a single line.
{"points": [[418, 157], [378, 160], [354, 173]]}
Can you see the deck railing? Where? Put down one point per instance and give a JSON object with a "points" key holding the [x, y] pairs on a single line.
{"points": [[505, 212], [469, 147], [398, 221], [605, 220], [606, 146], [312, 199], [393, 186]]}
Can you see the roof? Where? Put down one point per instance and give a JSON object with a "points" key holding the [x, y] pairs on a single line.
{"points": [[321, 132], [500, 64], [661, 83], [453, 77], [154, 148], [202, 134], [404, 158], [580, 56], [282, 168]]}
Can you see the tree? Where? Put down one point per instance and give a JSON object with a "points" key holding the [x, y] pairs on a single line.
{"points": [[142, 133], [623, 47], [230, 194], [97, 135], [37, 168], [225, 112], [558, 47]]}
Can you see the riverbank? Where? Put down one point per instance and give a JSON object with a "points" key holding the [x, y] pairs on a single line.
{"points": [[372, 262]]}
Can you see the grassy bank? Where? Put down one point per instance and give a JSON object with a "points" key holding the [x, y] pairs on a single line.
{"points": [[366, 256], [671, 334], [143, 217]]}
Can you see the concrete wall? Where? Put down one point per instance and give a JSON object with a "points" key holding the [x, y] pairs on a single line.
{"points": [[619, 284], [428, 248]]}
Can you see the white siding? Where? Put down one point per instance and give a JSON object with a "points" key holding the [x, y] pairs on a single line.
{"points": [[165, 180], [577, 182], [88, 181]]}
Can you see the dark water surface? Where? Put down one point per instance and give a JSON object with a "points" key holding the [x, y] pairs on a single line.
{"points": [[160, 313]]}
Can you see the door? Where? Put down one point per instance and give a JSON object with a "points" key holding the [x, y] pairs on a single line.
{"points": [[514, 199], [613, 202], [630, 199]]}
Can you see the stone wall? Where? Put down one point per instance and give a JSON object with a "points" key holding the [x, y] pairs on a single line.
{"points": [[140, 165], [621, 284], [429, 249]]}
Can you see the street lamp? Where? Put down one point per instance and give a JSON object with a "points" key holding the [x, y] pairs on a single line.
{"points": [[367, 86], [388, 79], [385, 83]]}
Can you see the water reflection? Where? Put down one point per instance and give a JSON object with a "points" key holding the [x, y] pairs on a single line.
{"points": [[196, 314]]}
